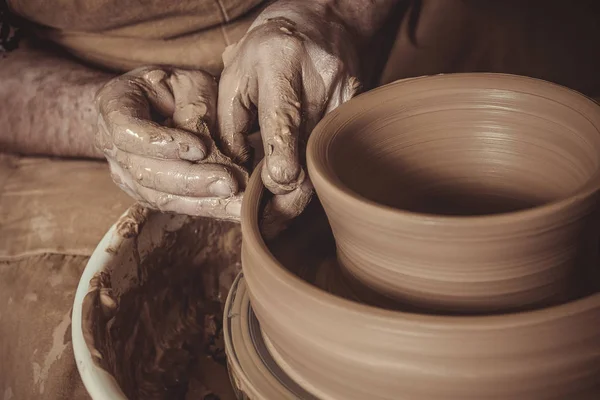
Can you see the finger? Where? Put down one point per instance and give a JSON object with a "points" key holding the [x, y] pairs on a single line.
{"points": [[102, 138], [195, 95], [121, 178], [352, 87], [226, 209], [282, 209], [155, 83], [178, 177], [125, 108], [279, 113], [346, 90], [234, 113]]}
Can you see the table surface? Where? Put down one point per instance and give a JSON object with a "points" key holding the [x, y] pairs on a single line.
{"points": [[52, 215]]}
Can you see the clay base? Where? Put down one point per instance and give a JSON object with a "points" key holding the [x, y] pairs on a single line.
{"points": [[254, 372]]}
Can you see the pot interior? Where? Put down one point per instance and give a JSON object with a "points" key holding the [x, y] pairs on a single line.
{"points": [[466, 151]]}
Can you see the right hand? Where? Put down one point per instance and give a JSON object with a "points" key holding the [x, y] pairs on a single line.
{"points": [[295, 64], [175, 169]]}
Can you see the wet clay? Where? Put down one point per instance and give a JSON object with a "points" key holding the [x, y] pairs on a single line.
{"points": [[464, 193], [155, 128], [155, 321], [254, 373], [368, 352]]}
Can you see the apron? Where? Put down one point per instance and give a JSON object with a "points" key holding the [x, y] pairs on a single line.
{"points": [[123, 35], [555, 40]]}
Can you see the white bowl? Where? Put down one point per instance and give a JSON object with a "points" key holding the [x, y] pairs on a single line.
{"points": [[131, 238]]}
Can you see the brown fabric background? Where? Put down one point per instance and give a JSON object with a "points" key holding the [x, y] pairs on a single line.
{"points": [[123, 35], [157, 18], [555, 40]]}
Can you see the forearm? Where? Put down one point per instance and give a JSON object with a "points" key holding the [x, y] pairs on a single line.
{"points": [[47, 104]]}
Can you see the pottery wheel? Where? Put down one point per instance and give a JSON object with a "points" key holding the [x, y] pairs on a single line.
{"points": [[306, 248], [253, 371]]}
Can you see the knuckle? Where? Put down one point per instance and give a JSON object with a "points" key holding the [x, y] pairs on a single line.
{"points": [[285, 118], [277, 42], [291, 43], [116, 127], [113, 88], [116, 178]]}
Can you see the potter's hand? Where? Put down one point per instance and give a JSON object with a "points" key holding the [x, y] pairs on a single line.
{"points": [[296, 63], [177, 169]]}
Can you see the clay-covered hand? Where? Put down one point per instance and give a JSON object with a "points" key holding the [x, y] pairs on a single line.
{"points": [[295, 63], [154, 127]]}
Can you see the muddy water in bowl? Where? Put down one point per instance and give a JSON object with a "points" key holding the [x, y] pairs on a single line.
{"points": [[463, 193], [152, 315]]}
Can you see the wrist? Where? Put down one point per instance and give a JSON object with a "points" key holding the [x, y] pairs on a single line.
{"points": [[362, 18], [316, 20]]}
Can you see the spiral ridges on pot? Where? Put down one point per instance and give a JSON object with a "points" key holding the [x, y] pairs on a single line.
{"points": [[462, 192]]}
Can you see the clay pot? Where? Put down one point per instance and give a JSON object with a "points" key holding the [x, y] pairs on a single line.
{"points": [[340, 349], [463, 193]]}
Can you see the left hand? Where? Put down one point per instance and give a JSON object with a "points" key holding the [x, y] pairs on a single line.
{"points": [[154, 127]]}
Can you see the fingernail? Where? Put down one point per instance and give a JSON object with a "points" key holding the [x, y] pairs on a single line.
{"points": [[281, 188], [234, 209], [282, 170], [220, 188], [190, 153]]}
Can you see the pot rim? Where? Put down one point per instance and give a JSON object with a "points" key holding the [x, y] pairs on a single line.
{"points": [[253, 242], [319, 170]]}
